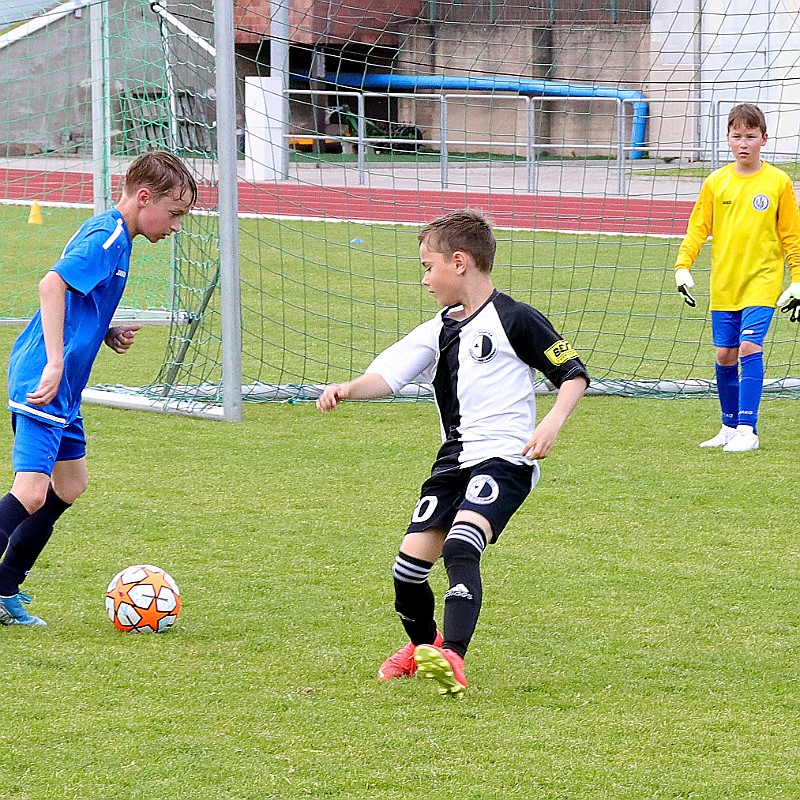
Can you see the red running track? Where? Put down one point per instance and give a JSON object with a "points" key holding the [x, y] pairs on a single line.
{"points": [[612, 215]]}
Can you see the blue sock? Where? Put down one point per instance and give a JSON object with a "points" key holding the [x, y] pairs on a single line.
{"points": [[750, 388], [728, 390]]}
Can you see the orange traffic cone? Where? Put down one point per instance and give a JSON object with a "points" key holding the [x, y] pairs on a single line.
{"points": [[35, 217]]}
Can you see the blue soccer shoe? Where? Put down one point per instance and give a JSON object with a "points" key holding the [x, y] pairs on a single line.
{"points": [[13, 612]]}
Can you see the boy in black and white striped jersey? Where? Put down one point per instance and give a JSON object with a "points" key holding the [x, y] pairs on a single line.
{"points": [[480, 352]]}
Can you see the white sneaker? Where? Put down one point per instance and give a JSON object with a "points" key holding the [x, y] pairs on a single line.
{"points": [[744, 439], [725, 434]]}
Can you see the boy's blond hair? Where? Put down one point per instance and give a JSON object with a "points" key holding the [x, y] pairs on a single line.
{"points": [[748, 116], [468, 231], [162, 173]]}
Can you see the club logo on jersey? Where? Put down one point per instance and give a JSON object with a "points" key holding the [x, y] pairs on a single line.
{"points": [[761, 202], [483, 347], [560, 353], [482, 490]]}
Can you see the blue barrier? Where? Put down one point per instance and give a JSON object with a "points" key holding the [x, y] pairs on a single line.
{"points": [[390, 82]]}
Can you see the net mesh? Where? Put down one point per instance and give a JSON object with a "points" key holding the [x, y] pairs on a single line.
{"points": [[583, 129]]}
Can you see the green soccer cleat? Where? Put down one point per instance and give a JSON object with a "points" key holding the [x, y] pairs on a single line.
{"points": [[402, 664], [446, 667]]}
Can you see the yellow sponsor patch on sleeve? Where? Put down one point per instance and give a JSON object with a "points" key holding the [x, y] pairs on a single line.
{"points": [[560, 352]]}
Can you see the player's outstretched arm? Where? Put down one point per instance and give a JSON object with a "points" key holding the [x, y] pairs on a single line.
{"points": [[544, 437], [120, 337], [367, 387]]}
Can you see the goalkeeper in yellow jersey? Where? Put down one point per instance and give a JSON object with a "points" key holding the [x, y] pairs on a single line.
{"points": [[750, 210]]}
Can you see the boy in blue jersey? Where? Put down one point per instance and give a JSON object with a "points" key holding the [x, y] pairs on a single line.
{"points": [[52, 358], [480, 353]]}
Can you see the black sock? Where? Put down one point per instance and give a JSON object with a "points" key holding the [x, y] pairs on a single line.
{"points": [[12, 513], [414, 600], [27, 542], [462, 552]]}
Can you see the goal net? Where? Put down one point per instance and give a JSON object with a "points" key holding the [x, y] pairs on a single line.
{"points": [[583, 129]]}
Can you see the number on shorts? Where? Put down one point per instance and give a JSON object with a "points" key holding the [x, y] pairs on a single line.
{"points": [[425, 508]]}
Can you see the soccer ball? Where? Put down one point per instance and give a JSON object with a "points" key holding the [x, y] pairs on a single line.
{"points": [[143, 599]]}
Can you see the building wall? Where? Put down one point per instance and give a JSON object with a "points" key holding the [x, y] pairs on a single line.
{"points": [[672, 82], [329, 22], [616, 56], [493, 121], [44, 81], [44, 101]]}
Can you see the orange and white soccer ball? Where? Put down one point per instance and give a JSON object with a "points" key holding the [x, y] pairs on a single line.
{"points": [[143, 599]]}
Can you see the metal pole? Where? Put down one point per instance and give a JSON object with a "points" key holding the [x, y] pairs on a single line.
{"points": [[173, 145], [443, 134], [697, 79], [620, 147], [173, 106], [362, 145], [530, 152], [715, 106], [101, 105], [279, 68], [230, 300]]}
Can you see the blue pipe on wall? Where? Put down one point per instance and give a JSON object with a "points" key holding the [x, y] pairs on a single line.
{"points": [[389, 82]]}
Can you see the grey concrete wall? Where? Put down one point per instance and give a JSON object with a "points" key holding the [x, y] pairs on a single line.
{"points": [[44, 80], [495, 121], [615, 56]]}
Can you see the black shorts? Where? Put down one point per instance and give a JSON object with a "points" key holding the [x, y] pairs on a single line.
{"points": [[495, 489]]}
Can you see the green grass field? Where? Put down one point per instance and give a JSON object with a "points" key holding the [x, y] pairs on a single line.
{"points": [[639, 637], [791, 167], [319, 299]]}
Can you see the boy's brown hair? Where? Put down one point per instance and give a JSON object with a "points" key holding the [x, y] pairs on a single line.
{"points": [[162, 173], [468, 231], [748, 116]]}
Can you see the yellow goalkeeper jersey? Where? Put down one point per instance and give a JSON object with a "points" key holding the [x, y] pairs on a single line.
{"points": [[755, 223]]}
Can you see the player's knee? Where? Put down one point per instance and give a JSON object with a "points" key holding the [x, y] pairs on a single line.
{"points": [[32, 497], [73, 492], [69, 491], [749, 348], [727, 356]]}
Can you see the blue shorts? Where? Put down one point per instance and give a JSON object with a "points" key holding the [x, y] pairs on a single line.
{"points": [[38, 446], [731, 328]]}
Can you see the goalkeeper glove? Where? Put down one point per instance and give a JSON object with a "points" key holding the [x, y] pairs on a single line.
{"points": [[685, 281], [790, 301]]}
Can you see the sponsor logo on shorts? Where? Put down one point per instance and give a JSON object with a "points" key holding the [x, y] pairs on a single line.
{"points": [[483, 347], [761, 202], [482, 490], [120, 273], [560, 352]]}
